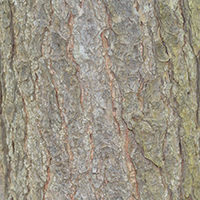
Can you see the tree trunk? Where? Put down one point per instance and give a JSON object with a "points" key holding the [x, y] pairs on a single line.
{"points": [[99, 99]]}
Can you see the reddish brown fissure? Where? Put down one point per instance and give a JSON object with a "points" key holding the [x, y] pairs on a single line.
{"points": [[91, 144], [108, 65], [130, 165], [70, 154], [48, 177], [47, 180], [110, 77], [131, 168], [69, 49], [25, 141], [8, 179], [27, 117], [13, 46]]}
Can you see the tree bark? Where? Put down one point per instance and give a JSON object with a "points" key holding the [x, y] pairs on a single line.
{"points": [[99, 99]]}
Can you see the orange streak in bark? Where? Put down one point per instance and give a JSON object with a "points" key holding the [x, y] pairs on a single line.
{"points": [[131, 168], [47, 180], [91, 146], [64, 123], [82, 93], [68, 146], [110, 77], [27, 117]]}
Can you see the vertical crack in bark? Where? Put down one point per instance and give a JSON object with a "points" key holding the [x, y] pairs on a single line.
{"points": [[90, 131], [91, 144], [163, 145], [46, 184], [26, 122], [12, 36], [69, 49], [142, 151], [7, 160], [165, 184], [69, 152], [131, 168], [180, 149], [172, 80], [132, 171], [48, 178], [141, 148], [181, 5], [156, 13], [160, 169], [25, 140], [93, 188], [182, 162], [109, 73], [72, 195], [163, 43], [12, 43]]}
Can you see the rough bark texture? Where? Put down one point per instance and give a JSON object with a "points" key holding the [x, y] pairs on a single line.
{"points": [[99, 99]]}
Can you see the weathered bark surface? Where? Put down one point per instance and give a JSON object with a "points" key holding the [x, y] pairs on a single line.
{"points": [[99, 99]]}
